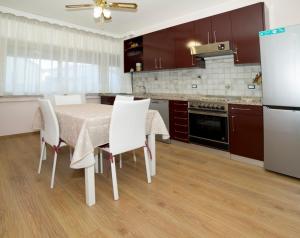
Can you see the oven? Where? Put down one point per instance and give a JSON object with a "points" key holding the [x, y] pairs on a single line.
{"points": [[208, 124]]}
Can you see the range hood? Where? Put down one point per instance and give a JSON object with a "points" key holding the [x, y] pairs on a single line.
{"points": [[210, 50]]}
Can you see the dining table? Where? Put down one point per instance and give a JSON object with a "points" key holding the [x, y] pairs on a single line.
{"points": [[86, 127]]}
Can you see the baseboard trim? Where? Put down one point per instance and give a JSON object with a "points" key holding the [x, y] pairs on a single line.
{"points": [[20, 134], [247, 160]]}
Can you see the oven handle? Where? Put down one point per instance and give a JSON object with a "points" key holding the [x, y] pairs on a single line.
{"points": [[208, 113]]}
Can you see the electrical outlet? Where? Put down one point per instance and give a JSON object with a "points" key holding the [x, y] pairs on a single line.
{"points": [[251, 86], [194, 86]]}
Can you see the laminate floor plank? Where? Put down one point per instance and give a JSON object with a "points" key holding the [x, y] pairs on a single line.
{"points": [[197, 192]]}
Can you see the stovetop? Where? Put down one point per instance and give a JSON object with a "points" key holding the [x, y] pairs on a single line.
{"points": [[209, 106]]}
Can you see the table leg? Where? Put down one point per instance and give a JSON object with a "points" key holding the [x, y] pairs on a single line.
{"points": [[90, 196], [151, 143]]}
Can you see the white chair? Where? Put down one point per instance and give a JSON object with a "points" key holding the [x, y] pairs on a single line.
{"points": [[128, 99], [69, 99], [127, 133], [117, 98], [50, 134]]}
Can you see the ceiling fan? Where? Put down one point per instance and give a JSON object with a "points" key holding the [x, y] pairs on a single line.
{"points": [[102, 8]]}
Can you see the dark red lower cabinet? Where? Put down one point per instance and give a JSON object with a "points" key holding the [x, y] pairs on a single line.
{"points": [[179, 129], [108, 100], [246, 131]]}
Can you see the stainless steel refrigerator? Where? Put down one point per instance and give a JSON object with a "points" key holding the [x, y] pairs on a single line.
{"points": [[280, 59]]}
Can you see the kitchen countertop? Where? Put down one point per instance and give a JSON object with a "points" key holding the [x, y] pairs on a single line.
{"points": [[189, 97]]}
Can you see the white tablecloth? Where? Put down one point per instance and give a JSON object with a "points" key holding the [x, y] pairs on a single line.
{"points": [[86, 126]]}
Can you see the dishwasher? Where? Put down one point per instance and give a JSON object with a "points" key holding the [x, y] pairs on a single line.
{"points": [[162, 106]]}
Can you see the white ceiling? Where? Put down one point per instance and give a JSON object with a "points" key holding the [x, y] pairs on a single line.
{"points": [[150, 13]]}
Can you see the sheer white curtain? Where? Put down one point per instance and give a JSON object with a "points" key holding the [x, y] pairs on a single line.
{"points": [[42, 58]]}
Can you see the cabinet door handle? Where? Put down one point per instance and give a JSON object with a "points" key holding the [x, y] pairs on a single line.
{"points": [[208, 34], [181, 118], [236, 54], [155, 62], [180, 125], [181, 132], [232, 123], [241, 109], [215, 35], [160, 64], [180, 104]]}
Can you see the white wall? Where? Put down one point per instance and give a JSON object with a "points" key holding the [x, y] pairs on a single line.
{"points": [[283, 12], [17, 114]]}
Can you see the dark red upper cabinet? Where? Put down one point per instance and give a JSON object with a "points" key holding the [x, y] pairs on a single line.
{"points": [[203, 33], [221, 28], [167, 53], [151, 49], [169, 48], [247, 22], [184, 35], [159, 50]]}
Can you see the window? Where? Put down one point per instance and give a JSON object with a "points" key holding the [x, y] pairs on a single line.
{"points": [[41, 58]]}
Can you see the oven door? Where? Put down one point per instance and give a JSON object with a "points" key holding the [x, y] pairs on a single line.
{"points": [[209, 129]]}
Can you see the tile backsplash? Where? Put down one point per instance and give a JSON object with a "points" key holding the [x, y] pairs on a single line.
{"points": [[220, 78]]}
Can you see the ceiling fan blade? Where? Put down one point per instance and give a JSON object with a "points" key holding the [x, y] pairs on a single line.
{"points": [[79, 6], [120, 5]]}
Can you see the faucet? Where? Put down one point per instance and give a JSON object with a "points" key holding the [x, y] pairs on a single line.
{"points": [[145, 89]]}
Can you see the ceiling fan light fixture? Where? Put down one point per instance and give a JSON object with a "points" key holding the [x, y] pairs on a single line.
{"points": [[98, 12], [106, 13]]}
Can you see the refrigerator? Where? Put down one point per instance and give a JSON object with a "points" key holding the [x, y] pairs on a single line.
{"points": [[280, 61]]}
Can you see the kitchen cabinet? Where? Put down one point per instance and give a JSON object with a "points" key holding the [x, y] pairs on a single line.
{"points": [[159, 50], [184, 36], [133, 53], [169, 48], [179, 120], [108, 100], [247, 22], [221, 28], [202, 31], [246, 131], [213, 29]]}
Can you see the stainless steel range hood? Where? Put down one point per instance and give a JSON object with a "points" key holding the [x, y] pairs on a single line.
{"points": [[210, 50]]}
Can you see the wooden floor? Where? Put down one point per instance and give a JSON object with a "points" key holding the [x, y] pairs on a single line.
{"points": [[195, 194]]}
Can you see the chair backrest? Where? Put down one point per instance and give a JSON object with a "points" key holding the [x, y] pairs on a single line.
{"points": [[68, 99], [124, 98], [128, 126], [51, 127]]}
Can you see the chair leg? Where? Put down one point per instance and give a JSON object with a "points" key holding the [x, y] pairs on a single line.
{"points": [[101, 161], [53, 170], [114, 179], [121, 162], [41, 157], [71, 153], [147, 163], [134, 156]]}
